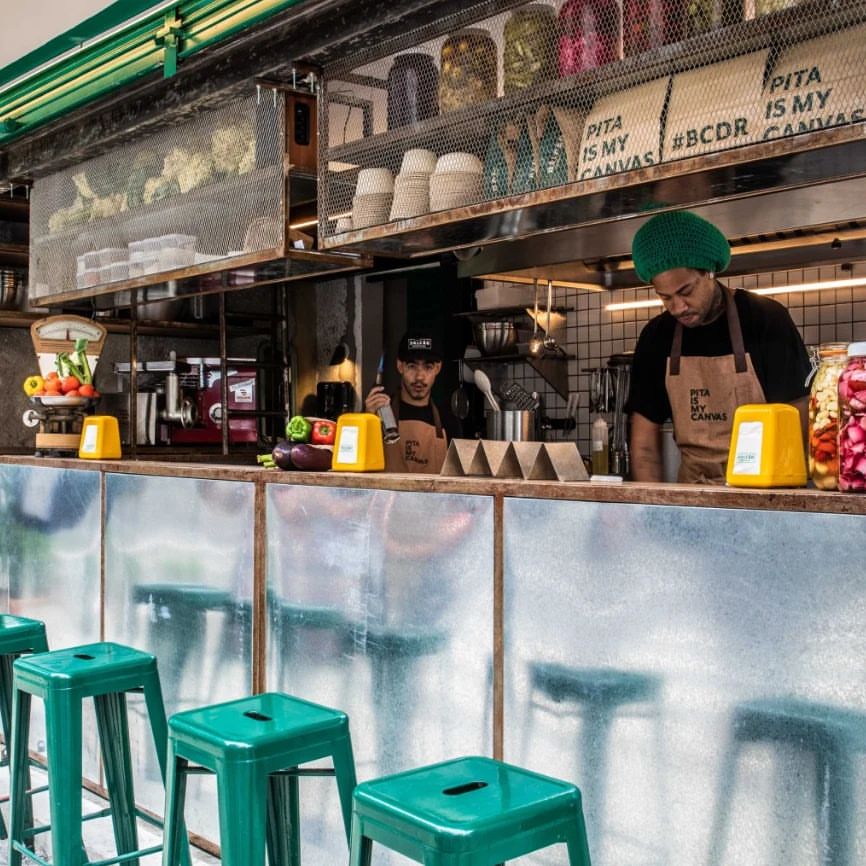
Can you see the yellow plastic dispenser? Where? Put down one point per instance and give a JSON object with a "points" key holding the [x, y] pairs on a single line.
{"points": [[100, 438], [358, 444], [767, 447]]}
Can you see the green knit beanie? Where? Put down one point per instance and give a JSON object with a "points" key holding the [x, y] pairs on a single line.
{"points": [[678, 239]]}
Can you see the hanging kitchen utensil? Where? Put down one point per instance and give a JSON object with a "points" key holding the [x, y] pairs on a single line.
{"points": [[517, 397], [549, 341], [460, 399], [482, 382], [536, 344]]}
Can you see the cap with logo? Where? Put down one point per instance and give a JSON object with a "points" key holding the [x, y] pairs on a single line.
{"points": [[419, 346]]}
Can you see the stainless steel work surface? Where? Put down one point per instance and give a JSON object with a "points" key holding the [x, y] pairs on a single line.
{"points": [[698, 672], [380, 604]]}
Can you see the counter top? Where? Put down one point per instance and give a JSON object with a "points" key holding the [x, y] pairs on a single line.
{"points": [[632, 492]]}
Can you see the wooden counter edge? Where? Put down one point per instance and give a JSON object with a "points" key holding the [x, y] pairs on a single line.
{"points": [[817, 501]]}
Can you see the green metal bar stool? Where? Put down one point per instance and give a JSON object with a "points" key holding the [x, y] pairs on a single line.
{"points": [[63, 679], [254, 746], [18, 636], [467, 812]]}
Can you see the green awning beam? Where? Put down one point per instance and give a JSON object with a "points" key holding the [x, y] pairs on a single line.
{"points": [[129, 39]]}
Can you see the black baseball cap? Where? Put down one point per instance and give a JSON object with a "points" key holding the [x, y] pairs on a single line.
{"points": [[419, 346]]}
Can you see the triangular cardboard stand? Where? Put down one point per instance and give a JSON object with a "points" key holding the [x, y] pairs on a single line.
{"points": [[534, 462], [480, 464], [461, 453], [502, 459], [566, 461]]}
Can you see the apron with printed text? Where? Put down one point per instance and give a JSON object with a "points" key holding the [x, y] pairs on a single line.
{"points": [[421, 448], [704, 393]]}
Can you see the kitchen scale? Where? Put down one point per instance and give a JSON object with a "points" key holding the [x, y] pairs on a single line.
{"points": [[59, 418]]}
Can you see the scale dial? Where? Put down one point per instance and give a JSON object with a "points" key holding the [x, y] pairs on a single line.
{"points": [[72, 329]]}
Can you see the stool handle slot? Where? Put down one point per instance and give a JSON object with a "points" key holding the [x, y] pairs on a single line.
{"points": [[258, 717], [84, 656], [464, 788]]}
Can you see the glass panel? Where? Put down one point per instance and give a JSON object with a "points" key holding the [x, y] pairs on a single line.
{"points": [[380, 604], [49, 554], [698, 673], [179, 574]]}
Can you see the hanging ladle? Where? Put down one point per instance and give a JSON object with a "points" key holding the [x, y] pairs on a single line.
{"points": [[549, 341]]}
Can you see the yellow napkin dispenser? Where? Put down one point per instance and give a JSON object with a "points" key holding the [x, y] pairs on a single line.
{"points": [[358, 443], [766, 447], [100, 438]]}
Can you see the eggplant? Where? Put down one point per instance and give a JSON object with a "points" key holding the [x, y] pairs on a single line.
{"points": [[282, 454], [312, 458]]}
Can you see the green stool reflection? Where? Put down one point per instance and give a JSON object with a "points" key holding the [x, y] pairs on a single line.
{"points": [[18, 636], [63, 679], [254, 746], [467, 812], [834, 735]]}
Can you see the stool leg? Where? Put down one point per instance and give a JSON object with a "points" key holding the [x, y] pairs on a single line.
{"points": [[113, 727], [175, 798], [63, 726], [284, 821], [575, 839], [727, 779], [243, 816], [344, 770], [361, 851], [6, 716], [836, 789], [19, 772]]}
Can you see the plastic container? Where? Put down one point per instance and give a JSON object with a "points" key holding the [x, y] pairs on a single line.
{"points": [[182, 242], [358, 443], [118, 271], [91, 261], [590, 34], [176, 257], [852, 420], [824, 416], [140, 249], [766, 447], [110, 255], [100, 438], [600, 446]]}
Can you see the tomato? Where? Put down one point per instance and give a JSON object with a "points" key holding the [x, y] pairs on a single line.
{"points": [[52, 375], [73, 393], [70, 383], [86, 391]]}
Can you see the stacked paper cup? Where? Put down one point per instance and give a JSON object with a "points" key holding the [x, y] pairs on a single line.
{"points": [[412, 184], [373, 194], [456, 181]]}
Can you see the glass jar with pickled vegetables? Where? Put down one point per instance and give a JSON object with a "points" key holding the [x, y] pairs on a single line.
{"points": [[824, 416], [467, 74], [704, 15], [590, 34], [766, 7], [852, 420], [649, 24], [529, 48]]}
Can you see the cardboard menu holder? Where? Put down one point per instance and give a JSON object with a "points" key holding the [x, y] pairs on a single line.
{"points": [[566, 461], [532, 461]]}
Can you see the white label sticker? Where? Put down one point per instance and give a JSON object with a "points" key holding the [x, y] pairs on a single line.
{"points": [[91, 434], [347, 450], [747, 455]]}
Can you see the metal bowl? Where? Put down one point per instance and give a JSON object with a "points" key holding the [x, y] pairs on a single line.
{"points": [[495, 338]]}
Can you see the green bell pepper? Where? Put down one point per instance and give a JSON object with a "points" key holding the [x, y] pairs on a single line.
{"points": [[298, 429]]}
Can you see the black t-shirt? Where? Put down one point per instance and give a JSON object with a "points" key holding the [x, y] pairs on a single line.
{"points": [[770, 337], [450, 424]]}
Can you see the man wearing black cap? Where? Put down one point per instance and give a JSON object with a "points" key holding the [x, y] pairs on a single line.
{"points": [[424, 428], [710, 351]]}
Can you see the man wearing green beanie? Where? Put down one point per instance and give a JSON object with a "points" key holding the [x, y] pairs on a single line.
{"points": [[712, 349]]}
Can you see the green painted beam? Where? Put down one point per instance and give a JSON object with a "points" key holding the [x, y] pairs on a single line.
{"points": [[125, 41]]}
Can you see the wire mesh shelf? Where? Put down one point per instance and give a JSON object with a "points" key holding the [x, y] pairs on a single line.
{"points": [[508, 99]]}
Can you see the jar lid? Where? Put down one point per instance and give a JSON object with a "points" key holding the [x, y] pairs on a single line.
{"points": [[832, 349], [857, 348]]}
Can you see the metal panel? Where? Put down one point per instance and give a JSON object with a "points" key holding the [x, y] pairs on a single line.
{"points": [[49, 554], [380, 604], [664, 621], [179, 575]]}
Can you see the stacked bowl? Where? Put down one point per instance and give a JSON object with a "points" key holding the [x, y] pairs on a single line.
{"points": [[456, 181], [412, 184], [373, 194]]}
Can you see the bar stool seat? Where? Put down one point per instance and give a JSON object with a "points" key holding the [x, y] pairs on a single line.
{"points": [[254, 746], [18, 636], [471, 811], [834, 735], [63, 679]]}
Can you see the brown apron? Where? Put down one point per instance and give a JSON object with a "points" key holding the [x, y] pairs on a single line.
{"points": [[422, 447], [704, 393]]}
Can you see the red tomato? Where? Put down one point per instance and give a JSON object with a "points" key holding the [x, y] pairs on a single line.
{"points": [[86, 391], [73, 393], [70, 383]]}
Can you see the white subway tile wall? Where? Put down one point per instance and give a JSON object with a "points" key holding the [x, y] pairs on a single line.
{"points": [[592, 333]]}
